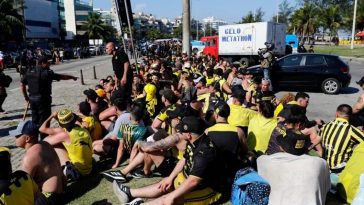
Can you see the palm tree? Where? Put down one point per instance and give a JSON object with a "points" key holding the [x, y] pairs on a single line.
{"points": [[96, 29], [251, 18], [305, 21], [285, 11], [331, 19], [11, 20]]}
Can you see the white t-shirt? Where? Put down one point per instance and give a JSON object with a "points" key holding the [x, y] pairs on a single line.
{"points": [[298, 180]]}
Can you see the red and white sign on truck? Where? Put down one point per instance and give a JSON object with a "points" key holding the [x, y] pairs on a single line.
{"points": [[240, 42]]}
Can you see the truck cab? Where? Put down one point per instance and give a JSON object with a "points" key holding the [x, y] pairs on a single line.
{"points": [[211, 46]]}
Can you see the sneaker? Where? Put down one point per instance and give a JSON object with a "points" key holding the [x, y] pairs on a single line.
{"points": [[136, 201], [139, 173], [121, 191], [114, 175]]}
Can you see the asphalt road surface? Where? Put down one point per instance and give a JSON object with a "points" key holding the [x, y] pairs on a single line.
{"points": [[321, 105]]}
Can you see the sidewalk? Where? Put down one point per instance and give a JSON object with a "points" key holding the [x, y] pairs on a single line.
{"points": [[66, 94]]}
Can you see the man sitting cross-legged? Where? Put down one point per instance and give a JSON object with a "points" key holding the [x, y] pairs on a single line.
{"points": [[40, 162], [193, 179], [72, 143]]}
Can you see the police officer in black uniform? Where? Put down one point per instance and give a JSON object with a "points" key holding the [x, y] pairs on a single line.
{"points": [[39, 81], [121, 67]]}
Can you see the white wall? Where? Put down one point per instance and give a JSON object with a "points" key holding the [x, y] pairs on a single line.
{"points": [[69, 12]]}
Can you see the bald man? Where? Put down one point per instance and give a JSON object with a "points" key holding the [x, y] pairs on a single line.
{"points": [[121, 67]]}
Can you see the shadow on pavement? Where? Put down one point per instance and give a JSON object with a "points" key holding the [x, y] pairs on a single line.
{"points": [[14, 117], [5, 131], [101, 202], [349, 90]]}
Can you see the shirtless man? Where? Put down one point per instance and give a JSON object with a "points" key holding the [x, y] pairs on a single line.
{"points": [[40, 162]]}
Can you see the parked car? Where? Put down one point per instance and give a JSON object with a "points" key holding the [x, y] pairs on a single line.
{"points": [[326, 72]]}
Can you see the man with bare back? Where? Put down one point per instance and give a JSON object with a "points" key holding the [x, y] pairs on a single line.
{"points": [[357, 118], [40, 162]]}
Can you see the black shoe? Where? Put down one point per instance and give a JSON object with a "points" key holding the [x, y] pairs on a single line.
{"points": [[139, 173], [136, 201], [114, 175]]}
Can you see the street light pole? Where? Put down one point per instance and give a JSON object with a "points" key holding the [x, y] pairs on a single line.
{"points": [[186, 26], [354, 22]]}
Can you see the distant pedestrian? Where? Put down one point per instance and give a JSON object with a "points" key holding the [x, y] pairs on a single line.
{"points": [[61, 54], [3, 93], [121, 67], [39, 82]]}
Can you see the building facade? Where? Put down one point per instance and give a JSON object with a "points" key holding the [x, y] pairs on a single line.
{"points": [[213, 22], [41, 19], [75, 14]]}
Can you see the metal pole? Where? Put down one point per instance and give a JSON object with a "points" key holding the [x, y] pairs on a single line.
{"points": [[81, 74], [197, 30], [277, 11], [354, 22], [186, 27], [121, 25], [94, 69], [131, 36]]}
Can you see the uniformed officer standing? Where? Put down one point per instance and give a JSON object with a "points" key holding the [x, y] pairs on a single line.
{"points": [[39, 81], [121, 67]]}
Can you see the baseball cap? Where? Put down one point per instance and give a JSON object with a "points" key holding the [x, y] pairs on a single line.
{"points": [[190, 124], [65, 116], [293, 142], [90, 93], [26, 128], [169, 95], [361, 81], [222, 109], [244, 71], [101, 93], [238, 92]]}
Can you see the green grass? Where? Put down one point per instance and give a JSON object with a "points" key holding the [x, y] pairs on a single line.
{"points": [[96, 190], [343, 50]]}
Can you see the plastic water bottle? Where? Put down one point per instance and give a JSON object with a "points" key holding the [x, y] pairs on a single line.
{"points": [[359, 198]]}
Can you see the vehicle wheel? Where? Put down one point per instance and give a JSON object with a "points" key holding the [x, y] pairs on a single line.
{"points": [[331, 86], [244, 61]]}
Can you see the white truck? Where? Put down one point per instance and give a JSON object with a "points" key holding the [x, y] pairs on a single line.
{"points": [[241, 42]]}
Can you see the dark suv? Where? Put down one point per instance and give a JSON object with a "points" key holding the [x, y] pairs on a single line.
{"points": [[309, 70]]}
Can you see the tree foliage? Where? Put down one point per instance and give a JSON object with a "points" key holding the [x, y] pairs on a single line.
{"points": [[96, 28], [284, 13], [251, 17], [11, 20]]}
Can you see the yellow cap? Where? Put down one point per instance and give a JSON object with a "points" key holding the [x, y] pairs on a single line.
{"points": [[65, 116], [101, 93]]}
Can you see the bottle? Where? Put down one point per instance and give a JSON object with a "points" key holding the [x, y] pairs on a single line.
{"points": [[359, 198]]}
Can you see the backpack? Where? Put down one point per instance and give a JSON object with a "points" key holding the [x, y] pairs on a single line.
{"points": [[249, 188], [5, 80]]}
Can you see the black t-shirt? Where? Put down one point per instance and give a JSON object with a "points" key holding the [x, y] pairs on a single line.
{"points": [[201, 162], [118, 60], [39, 81]]}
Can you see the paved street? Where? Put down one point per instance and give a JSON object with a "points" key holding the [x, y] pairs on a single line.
{"points": [[69, 94], [65, 94]]}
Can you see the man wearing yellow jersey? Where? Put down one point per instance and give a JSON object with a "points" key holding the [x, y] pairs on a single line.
{"points": [[72, 143], [239, 115], [16, 188]]}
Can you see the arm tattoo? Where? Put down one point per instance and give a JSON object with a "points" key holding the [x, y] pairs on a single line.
{"points": [[162, 144]]}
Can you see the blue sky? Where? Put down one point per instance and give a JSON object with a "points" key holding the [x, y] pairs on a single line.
{"points": [[228, 10]]}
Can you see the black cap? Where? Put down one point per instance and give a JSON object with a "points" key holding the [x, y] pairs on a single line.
{"points": [[90, 93], [361, 81], [293, 142], [190, 124], [245, 71], [238, 92], [222, 109], [169, 95]]}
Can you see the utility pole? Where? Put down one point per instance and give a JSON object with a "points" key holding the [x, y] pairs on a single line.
{"points": [[354, 22], [277, 10], [186, 27]]}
